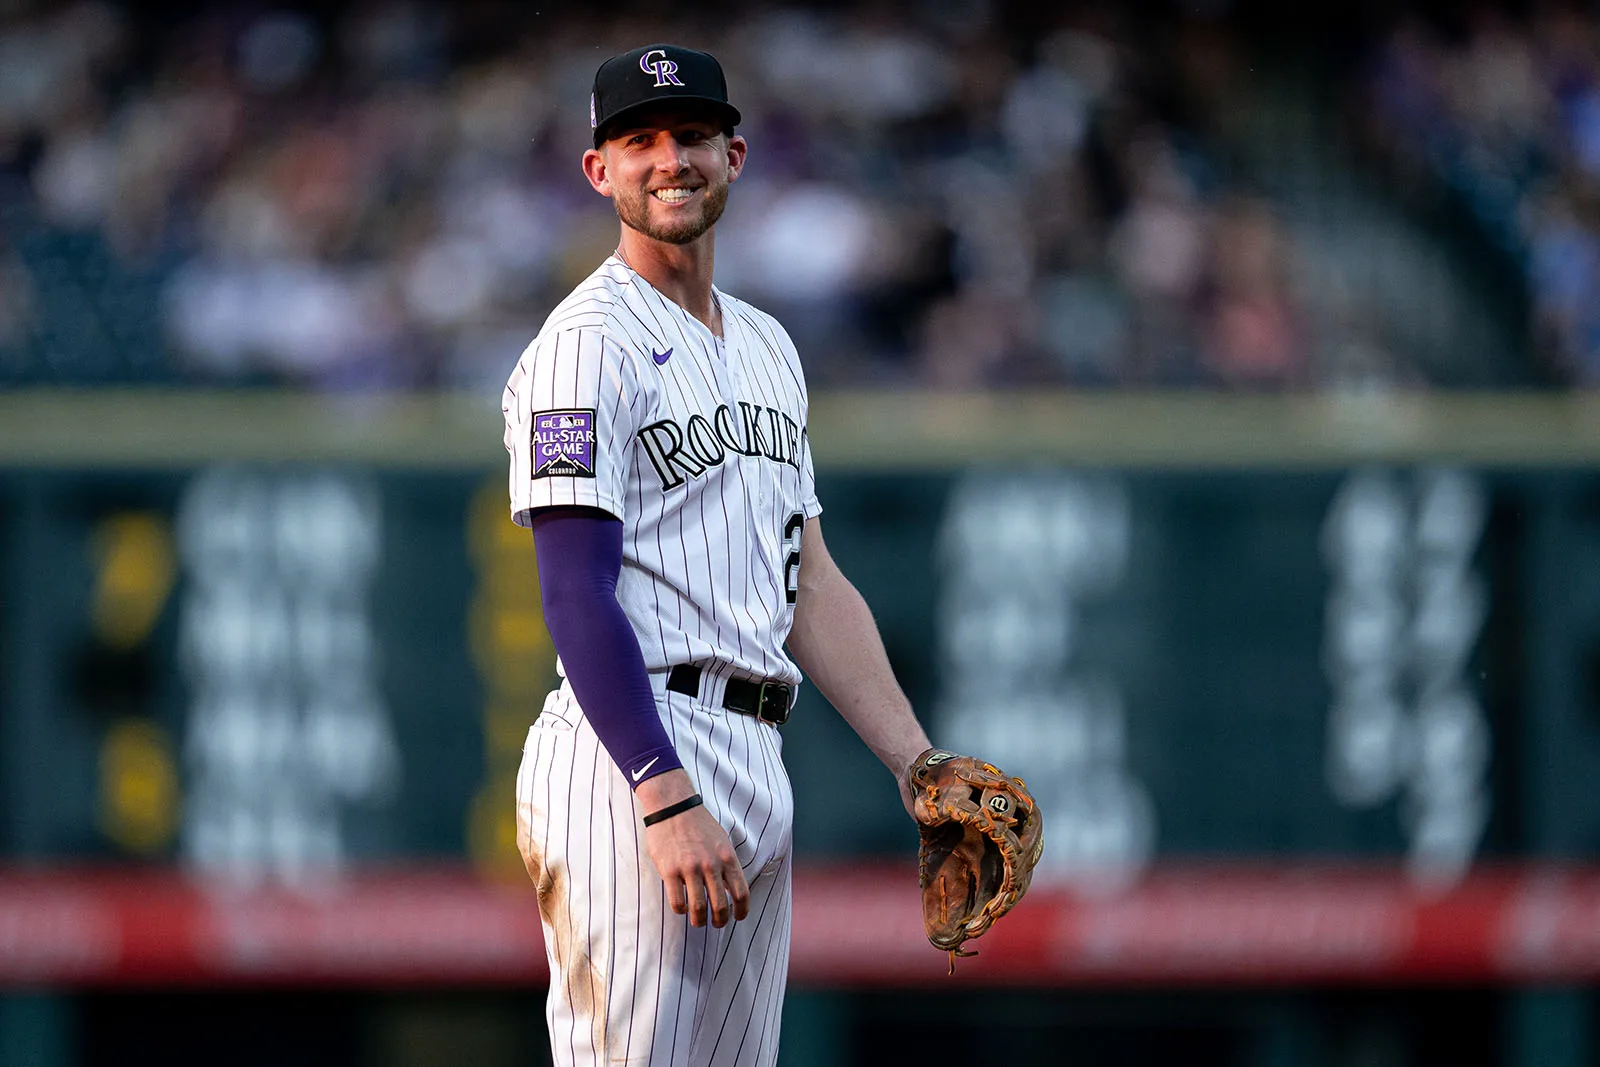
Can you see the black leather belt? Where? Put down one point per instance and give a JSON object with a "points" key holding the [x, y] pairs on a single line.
{"points": [[767, 701]]}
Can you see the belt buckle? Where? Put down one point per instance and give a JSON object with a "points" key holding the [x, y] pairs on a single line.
{"points": [[777, 693]]}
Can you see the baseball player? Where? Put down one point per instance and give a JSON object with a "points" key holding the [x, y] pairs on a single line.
{"points": [[657, 432]]}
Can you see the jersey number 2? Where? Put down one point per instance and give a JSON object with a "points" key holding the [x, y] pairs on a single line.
{"points": [[791, 560]]}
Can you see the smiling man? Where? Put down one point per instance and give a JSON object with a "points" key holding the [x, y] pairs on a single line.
{"points": [[657, 431]]}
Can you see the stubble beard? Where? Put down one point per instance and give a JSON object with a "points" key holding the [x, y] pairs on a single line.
{"points": [[634, 211]]}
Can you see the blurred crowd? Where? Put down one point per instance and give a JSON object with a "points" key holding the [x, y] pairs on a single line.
{"points": [[1505, 114], [386, 193]]}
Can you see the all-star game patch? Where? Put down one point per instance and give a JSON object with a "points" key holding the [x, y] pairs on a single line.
{"points": [[563, 444]]}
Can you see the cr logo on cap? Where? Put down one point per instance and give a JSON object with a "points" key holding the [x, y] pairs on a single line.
{"points": [[665, 70]]}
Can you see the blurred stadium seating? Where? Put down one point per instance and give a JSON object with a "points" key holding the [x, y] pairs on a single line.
{"points": [[386, 195]]}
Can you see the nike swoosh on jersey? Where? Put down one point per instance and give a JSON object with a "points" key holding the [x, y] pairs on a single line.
{"points": [[638, 774], [660, 357]]}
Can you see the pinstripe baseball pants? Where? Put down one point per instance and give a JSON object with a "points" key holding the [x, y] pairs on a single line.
{"points": [[631, 983]]}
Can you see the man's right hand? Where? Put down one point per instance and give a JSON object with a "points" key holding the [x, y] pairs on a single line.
{"points": [[693, 854]]}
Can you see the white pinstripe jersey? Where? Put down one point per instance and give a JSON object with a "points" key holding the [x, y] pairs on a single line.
{"points": [[626, 402]]}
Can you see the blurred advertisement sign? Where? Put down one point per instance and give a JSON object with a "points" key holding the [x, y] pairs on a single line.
{"points": [[853, 926]]}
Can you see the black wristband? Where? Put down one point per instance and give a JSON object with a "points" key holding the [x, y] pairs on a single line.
{"points": [[691, 801]]}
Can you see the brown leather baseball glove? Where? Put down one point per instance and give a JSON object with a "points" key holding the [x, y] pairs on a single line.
{"points": [[981, 838]]}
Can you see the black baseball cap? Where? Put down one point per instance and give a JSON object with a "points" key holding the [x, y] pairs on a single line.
{"points": [[633, 81]]}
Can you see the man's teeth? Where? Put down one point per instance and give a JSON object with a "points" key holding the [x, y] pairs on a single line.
{"points": [[673, 196]]}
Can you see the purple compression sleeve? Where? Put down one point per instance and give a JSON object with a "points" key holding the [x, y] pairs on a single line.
{"points": [[580, 558]]}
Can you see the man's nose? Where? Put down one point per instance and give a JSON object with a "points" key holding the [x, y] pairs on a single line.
{"points": [[671, 156]]}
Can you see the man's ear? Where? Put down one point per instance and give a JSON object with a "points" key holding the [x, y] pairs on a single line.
{"points": [[737, 147], [597, 171]]}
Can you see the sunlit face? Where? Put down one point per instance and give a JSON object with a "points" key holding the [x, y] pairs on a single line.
{"points": [[668, 174]]}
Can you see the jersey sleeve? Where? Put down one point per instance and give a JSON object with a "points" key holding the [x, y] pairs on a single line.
{"points": [[808, 472], [570, 412], [808, 479]]}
